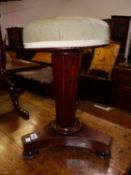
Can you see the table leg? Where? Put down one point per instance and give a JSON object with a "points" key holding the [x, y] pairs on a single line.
{"points": [[14, 98]]}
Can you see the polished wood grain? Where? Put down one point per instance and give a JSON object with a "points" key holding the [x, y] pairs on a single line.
{"points": [[57, 160]]}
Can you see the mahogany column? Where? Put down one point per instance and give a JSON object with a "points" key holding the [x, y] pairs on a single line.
{"points": [[66, 65]]}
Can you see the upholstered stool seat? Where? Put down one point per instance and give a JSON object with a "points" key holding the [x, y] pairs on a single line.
{"points": [[61, 32]]}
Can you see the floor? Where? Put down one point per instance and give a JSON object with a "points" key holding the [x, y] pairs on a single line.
{"points": [[114, 115], [63, 160]]}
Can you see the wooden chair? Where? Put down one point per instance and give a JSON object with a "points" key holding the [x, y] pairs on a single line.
{"points": [[104, 60], [38, 80], [6, 83], [96, 84]]}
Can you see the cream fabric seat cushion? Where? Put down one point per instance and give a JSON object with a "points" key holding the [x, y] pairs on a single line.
{"points": [[65, 32]]}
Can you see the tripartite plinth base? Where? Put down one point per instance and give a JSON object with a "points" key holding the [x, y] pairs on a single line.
{"points": [[86, 138]]}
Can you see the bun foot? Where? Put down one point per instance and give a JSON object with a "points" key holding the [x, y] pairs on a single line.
{"points": [[30, 154], [104, 155], [24, 114]]}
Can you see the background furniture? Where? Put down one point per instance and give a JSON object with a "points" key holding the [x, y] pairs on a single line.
{"points": [[121, 32], [101, 91], [36, 79], [15, 38], [39, 81], [104, 59], [121, 88], [95, 88], [95, 84], [7, 84]]}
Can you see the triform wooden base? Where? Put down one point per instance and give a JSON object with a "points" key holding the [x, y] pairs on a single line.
{"points": [[66, 130], [87, 138]]}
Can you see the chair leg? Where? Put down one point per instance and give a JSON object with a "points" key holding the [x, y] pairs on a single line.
{"points": [[14, 98]]}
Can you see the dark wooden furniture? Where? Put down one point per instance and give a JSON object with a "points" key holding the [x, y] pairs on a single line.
{"points": [[7, 84], [121, 32], [17, 65], [95, 88], [96, 83], [39, 81], [12, 67], [121, 88], [15, 37]]}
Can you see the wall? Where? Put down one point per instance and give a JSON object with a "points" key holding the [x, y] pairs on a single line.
{"points": [[18, 13]]}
